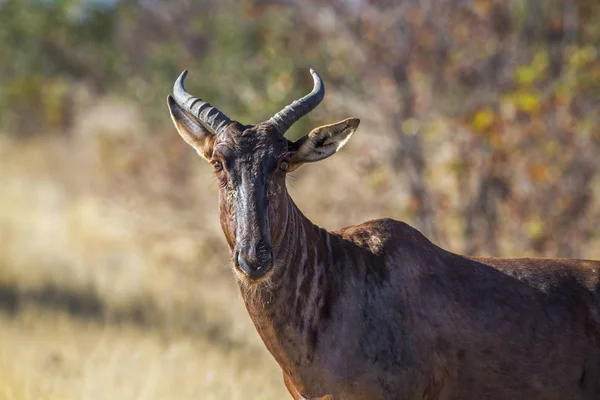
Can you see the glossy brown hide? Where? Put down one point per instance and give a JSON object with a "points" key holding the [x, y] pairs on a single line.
{"points": [[377, 311]]}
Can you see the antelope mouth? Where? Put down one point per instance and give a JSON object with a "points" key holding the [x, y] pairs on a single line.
{"points": [[251, 271], [252, 279]]}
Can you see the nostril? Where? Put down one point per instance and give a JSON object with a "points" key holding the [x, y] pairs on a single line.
{"points": [[244, 261], [237, 259]]}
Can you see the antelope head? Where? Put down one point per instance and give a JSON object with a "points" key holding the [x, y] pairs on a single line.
{"points": [[251, 163]]}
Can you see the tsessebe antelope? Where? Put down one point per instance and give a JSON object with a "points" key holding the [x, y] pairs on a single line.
{"points": [[377, 311]]}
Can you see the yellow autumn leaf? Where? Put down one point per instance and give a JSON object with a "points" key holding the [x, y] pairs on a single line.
{"points": [[581, 57], [527, 101], [484, 119], [525, 75]]}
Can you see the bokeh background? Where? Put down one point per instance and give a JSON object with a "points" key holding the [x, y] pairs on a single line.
{"points": [[480, 127]]}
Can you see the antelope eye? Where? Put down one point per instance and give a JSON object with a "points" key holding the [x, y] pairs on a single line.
{"points": [[284, 165], [218, 166]]}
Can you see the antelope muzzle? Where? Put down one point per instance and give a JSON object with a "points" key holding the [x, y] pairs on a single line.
{"points": [[254, 261]]}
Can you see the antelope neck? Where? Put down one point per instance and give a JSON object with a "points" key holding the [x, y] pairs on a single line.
{"points": [[291, 308]]}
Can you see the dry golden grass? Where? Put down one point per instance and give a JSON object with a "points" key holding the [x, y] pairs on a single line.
{"points": [[53, 356]]}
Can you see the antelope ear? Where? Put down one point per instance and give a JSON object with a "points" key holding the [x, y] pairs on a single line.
{"points": [[192, 130], [322, 142]]}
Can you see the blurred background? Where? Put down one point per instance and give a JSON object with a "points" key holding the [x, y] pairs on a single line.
{"points": [[480, 127]]}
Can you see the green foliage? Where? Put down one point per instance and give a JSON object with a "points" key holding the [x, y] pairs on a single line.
{"points": [[47, 46]]}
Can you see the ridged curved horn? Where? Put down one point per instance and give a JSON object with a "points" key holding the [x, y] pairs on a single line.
{"points": [[206, 113], [299, 108]]}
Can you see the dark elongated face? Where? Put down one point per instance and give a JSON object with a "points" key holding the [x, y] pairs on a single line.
{"points": [[250, 163]]}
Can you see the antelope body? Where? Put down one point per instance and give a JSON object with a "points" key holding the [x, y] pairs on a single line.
{"points": [[377, 311]]}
